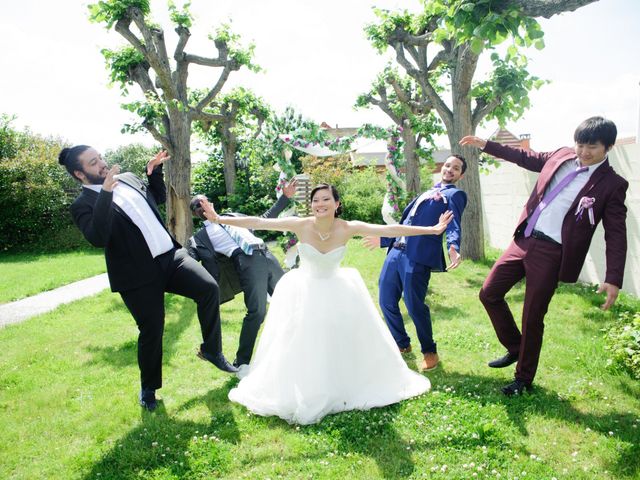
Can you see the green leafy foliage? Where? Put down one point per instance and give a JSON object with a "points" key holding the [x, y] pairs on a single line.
{"points": [[255, 185], [120, 63], [35, 192], [623, 343], [242, 110], [181, 18], [509, 85], [243, 55], [287, 123], [482, 24], [11, 141], [110, 11], [131, 158], [362, 193], [380, 33], [151, 111]]}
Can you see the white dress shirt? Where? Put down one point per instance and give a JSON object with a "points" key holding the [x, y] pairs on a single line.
{"points": [[222, 241], [551, 218], [135, 206]]}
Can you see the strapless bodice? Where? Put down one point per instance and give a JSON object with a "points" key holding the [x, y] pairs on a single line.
{"points": [[318, 264]]}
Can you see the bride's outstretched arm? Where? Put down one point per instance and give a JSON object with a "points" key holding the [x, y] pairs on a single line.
{"points": [[362, 228], [287, 224]]}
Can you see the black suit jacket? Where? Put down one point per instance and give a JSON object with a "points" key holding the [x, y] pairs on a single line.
{"points": [[222, 268], [129, 261]]}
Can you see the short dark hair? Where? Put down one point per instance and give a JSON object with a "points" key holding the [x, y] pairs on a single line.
{"points": [[462, 159], [68, 158], [334, 194], [596, 129], [195, 202]]}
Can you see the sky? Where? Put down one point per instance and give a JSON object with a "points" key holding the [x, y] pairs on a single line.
{"points": [[315, 57]]}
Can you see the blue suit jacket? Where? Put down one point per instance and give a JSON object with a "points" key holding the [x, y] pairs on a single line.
{"points": [[427, 249]]}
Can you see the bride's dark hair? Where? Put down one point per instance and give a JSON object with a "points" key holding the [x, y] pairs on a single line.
{"points": [[334, 194]]}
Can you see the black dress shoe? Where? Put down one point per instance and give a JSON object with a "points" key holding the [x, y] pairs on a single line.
{"points": [[218, 360], [148, 399], [517, 387], [505, 361]]}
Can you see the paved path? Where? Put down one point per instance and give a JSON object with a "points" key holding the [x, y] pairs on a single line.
{"points": [[20, 310]]}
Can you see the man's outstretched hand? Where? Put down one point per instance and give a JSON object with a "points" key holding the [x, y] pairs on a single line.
{"points": [[109, 181], [612, 293], [289, 190], [455, 258], [371, 242], [160, 157], [473, 141]]}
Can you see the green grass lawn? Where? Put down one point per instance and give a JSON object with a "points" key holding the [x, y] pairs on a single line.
{"points": [[69, 384], [25, 274]]}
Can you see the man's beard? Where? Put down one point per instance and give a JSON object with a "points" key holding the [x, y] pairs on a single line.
{"points": [[94, 179]]}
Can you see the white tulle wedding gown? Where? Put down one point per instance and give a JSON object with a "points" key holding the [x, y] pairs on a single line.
{"points": [[324, 347]]}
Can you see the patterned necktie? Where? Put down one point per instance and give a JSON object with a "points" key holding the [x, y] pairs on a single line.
{"points": [[245, 240], [548, 198]]}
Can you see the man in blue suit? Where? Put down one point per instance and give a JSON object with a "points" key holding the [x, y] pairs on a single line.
{"points": [[410, 261]]}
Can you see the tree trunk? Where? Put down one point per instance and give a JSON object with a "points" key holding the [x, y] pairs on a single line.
{"points": [[229, 146], [229, 155], [472, 219], [412, 165], [178, 180]]}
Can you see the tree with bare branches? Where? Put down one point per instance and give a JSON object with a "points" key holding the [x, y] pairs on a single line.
{"points": [[401, 99], [440, 47], [169, 107]]}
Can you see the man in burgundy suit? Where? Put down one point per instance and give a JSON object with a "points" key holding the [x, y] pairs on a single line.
{"points": [[576, 189]]}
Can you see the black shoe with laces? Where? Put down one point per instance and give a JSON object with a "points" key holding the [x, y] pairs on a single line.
{"points": [[517, 387], [505, 361], [218, 361], [148, 399]]}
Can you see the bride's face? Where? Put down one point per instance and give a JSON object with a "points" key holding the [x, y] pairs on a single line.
{"points": [[323, 204]]}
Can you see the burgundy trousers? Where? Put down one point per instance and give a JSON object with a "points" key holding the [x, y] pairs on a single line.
{"points": [[538, 262]]}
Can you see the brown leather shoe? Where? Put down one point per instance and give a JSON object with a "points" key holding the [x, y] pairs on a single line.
{"points": [[406, 349], [430, 361]]}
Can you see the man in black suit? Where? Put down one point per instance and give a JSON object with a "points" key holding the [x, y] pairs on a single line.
{"points": [[255, 274], [119, 213]]}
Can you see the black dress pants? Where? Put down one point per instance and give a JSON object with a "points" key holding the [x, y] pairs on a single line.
{"points": [[258, 273], [182, 275]]}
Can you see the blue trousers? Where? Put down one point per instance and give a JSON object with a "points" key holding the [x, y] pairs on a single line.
{"points": [[400, 275]]}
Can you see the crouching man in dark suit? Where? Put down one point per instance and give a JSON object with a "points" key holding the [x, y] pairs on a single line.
{"points": [[240, 261], [119, 213], [575, 190]]}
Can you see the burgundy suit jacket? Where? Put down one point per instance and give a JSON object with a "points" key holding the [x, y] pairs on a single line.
{"points": [[605, 186]]}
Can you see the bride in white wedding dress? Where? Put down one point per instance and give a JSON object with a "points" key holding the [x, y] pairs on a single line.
{"points": [[324, 347]]}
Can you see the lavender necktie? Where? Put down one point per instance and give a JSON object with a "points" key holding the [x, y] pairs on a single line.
{"points": [[548, 198]]}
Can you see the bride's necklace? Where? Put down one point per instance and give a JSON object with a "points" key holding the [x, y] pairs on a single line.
{"points": [[324, 236]]}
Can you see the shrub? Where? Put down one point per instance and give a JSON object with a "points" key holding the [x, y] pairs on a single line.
{"points": [[331, 170], [35, 194], [131, 158], [11, 141], [623, 343], [362, 194], [255, 187]]}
